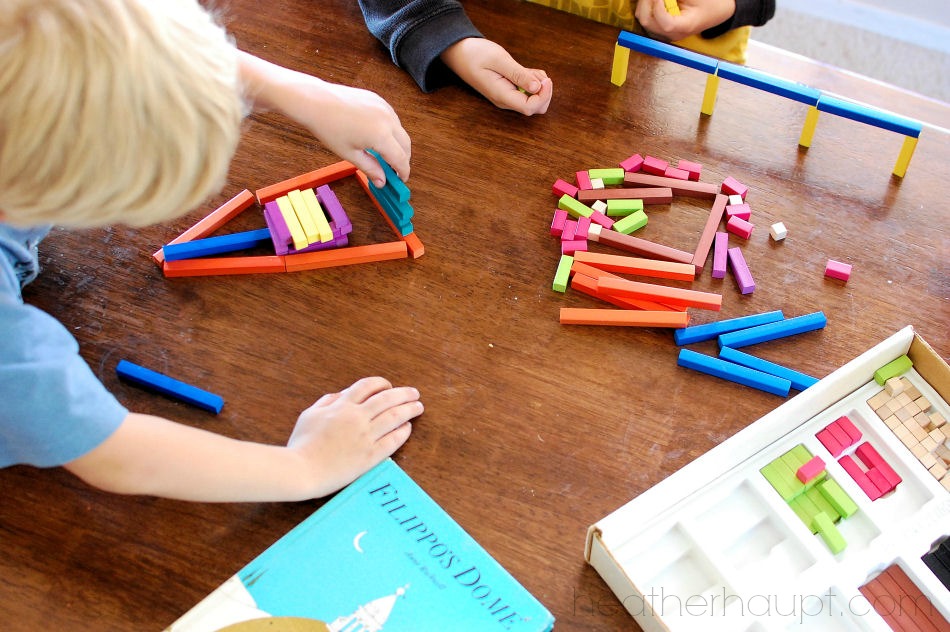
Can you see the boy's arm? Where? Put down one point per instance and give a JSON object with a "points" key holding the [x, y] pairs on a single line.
{"points": [[424, 37], [346, 120], [336, 440], [416, 32]]}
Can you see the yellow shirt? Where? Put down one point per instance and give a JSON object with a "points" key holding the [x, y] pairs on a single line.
{"points": [[730, 46]]}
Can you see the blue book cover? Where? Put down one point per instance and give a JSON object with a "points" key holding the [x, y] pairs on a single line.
{"points": [[380, 556]]}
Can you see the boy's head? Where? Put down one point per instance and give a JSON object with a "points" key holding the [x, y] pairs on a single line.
{"points": [[113, 111]]}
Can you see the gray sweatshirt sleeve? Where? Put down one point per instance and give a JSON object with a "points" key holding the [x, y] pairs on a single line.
{"points": [[748, 13], [415, 32]]}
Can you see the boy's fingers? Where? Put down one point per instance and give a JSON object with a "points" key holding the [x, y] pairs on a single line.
{"points": [[405, 143], [396, 152], [650, 14], [523, 78], [643, 12], [382, 402], [368, 165], [363, 389], [542, 99], [535, 103], [377, 396], [326, 400], [395, 417], [661, 23], [393, 440], [666, 24]]}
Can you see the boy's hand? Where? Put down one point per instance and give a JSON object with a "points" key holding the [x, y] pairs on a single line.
{"points": [[695, 17], [345, 434], [335, 441], [492, 71], [346, 120]]}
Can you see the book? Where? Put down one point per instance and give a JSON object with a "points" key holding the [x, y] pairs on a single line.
{"points": [[380, 556]]}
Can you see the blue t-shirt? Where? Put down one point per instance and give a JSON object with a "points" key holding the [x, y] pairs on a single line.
{"points": [[53, 409]]}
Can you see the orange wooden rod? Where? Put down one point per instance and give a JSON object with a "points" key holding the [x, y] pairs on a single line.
{"points": [[210, 223], [637, 265], [346, 256], [364, 182], [669, 295], [306, 181], [622, 317], [414, 244], [223, 265], [588, 285], [592, 273]]}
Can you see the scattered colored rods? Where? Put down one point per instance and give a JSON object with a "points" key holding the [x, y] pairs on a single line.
{"points": [[594, 210], [305, 223]]}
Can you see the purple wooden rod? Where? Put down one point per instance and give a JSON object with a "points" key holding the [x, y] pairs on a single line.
{"points": [[333, 207], [721, 245], [740, 270], [279, 232], [338, 241]]}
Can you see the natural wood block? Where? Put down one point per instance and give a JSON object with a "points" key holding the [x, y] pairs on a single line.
{"points": [[912, 391], [905, 436], [927, 459], [879, 400], [938, 435], [915, 429], [894, 386], [892, 422], [904, 414], [924, 421], [892, 406]]}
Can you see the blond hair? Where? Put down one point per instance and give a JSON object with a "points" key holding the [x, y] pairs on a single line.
{"points": [[113, 111]]}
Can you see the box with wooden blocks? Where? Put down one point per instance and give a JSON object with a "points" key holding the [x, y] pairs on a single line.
{"points": [[832, 512]]}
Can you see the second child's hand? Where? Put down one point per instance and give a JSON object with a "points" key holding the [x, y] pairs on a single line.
{"points": [[492, 71]]}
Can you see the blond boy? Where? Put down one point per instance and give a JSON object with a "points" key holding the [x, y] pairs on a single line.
{"points": [[129, 111]]}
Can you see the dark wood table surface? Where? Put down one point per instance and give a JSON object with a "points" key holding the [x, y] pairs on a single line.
{"points": [[532, 430]]}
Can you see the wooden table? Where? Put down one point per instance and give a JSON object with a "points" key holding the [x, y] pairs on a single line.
{"points": [[532, 430]]}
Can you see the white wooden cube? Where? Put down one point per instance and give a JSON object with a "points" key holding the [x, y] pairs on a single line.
{"points": [[778, 231]]}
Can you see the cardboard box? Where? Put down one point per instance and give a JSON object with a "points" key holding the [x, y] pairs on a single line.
{"points": [[715, 547]]}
